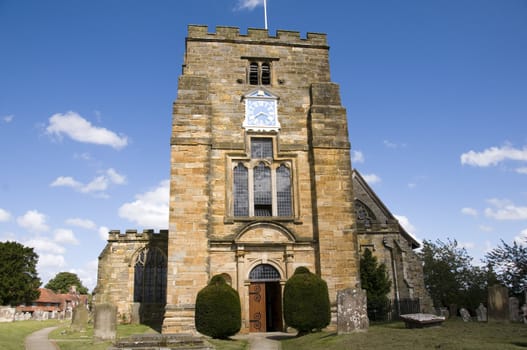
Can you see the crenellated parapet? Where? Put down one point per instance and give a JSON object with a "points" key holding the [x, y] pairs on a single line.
{"points": [[135, 235], [256, 35]]}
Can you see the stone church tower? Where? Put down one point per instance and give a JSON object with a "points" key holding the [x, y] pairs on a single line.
{"points": [[261, 183], [261, 178]]}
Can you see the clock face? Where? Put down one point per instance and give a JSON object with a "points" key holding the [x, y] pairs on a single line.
{"points": [[261, 112]]}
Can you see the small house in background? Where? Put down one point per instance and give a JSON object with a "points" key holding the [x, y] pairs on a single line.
{"points": [[51, 302], [48, 301]]}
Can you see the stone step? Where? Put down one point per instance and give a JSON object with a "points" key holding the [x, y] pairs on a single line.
{"points": [[162, 342]]}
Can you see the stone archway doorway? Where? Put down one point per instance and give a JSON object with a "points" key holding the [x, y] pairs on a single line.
{"points": [[265, 299]]}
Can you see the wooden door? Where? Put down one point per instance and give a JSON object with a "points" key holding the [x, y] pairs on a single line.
{"points": [[257, 319]]}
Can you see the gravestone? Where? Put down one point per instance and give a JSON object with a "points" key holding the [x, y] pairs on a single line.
{"points": [[7, 314], [465, 315], [443, 312], [498, 305], [135, 316], [352, 312], [514, 309], [524, 310], [421, 320], [80, 318], [105, 322], [453, 310], [481, 313]]}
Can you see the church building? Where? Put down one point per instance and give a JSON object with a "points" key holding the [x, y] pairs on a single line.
{"points": [[261, 183]]}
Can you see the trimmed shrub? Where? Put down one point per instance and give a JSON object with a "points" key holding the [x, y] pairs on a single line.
{"points": [[306, 302], [218, 309]]}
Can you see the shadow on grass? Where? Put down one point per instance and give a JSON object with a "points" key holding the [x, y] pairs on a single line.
{"points": [[281, 336], [522, 344]]}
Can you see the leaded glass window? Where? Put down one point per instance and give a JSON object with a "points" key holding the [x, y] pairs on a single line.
{"points": [[241, 191], [264, 272], [262, 185], [283, 191], [364, 214], [261, 148], [263, 197], [150, 276]]}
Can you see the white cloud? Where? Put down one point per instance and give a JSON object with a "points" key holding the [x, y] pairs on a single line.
{"points": [[406, 224], [505, 210], [84, 223], [33, 221], [65, 236], [393, 145], [45, 245], [371, 178], [8, 118], [96, 186], [50, 261], [150, 209], [493, 156], [521, 238], [88, 274], [469, 211], [66, 181], [79, 129], [103, 232], [522, 170], [248, 4], [4, 215], [115, 177], [357, 157]]}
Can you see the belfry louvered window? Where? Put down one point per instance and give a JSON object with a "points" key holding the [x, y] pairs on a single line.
{"points": [[259, 73], [262, 186]]}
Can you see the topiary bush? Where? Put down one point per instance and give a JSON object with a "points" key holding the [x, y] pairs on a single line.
{"points": [[218, 309], [306, 302]]}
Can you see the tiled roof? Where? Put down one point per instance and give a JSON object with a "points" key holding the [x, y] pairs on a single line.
{"points": [[48, 296]]}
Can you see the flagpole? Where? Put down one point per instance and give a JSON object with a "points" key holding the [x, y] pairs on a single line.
{"points": [[265, 13]]}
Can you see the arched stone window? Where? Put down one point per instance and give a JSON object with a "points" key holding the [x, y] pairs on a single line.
{"points": [[364, 214], [262, 186], [150, 276]]}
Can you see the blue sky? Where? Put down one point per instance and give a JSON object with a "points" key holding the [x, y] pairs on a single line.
{"points": [[435, 91]]}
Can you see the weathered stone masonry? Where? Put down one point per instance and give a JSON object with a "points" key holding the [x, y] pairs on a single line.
{"points": [[300, 121]]}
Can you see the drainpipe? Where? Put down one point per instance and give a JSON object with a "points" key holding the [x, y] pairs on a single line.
{"points": [[394, 272]]}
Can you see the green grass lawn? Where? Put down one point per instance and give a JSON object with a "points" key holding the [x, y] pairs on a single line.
{"points": [[452, 335], [13, 334], [67, 339]]}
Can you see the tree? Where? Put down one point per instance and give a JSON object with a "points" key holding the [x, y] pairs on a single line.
{"points": [[450, 277], [63, 281], [510, 264], [19, 279], [374, 279], [306, 302], [218, 309]]}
